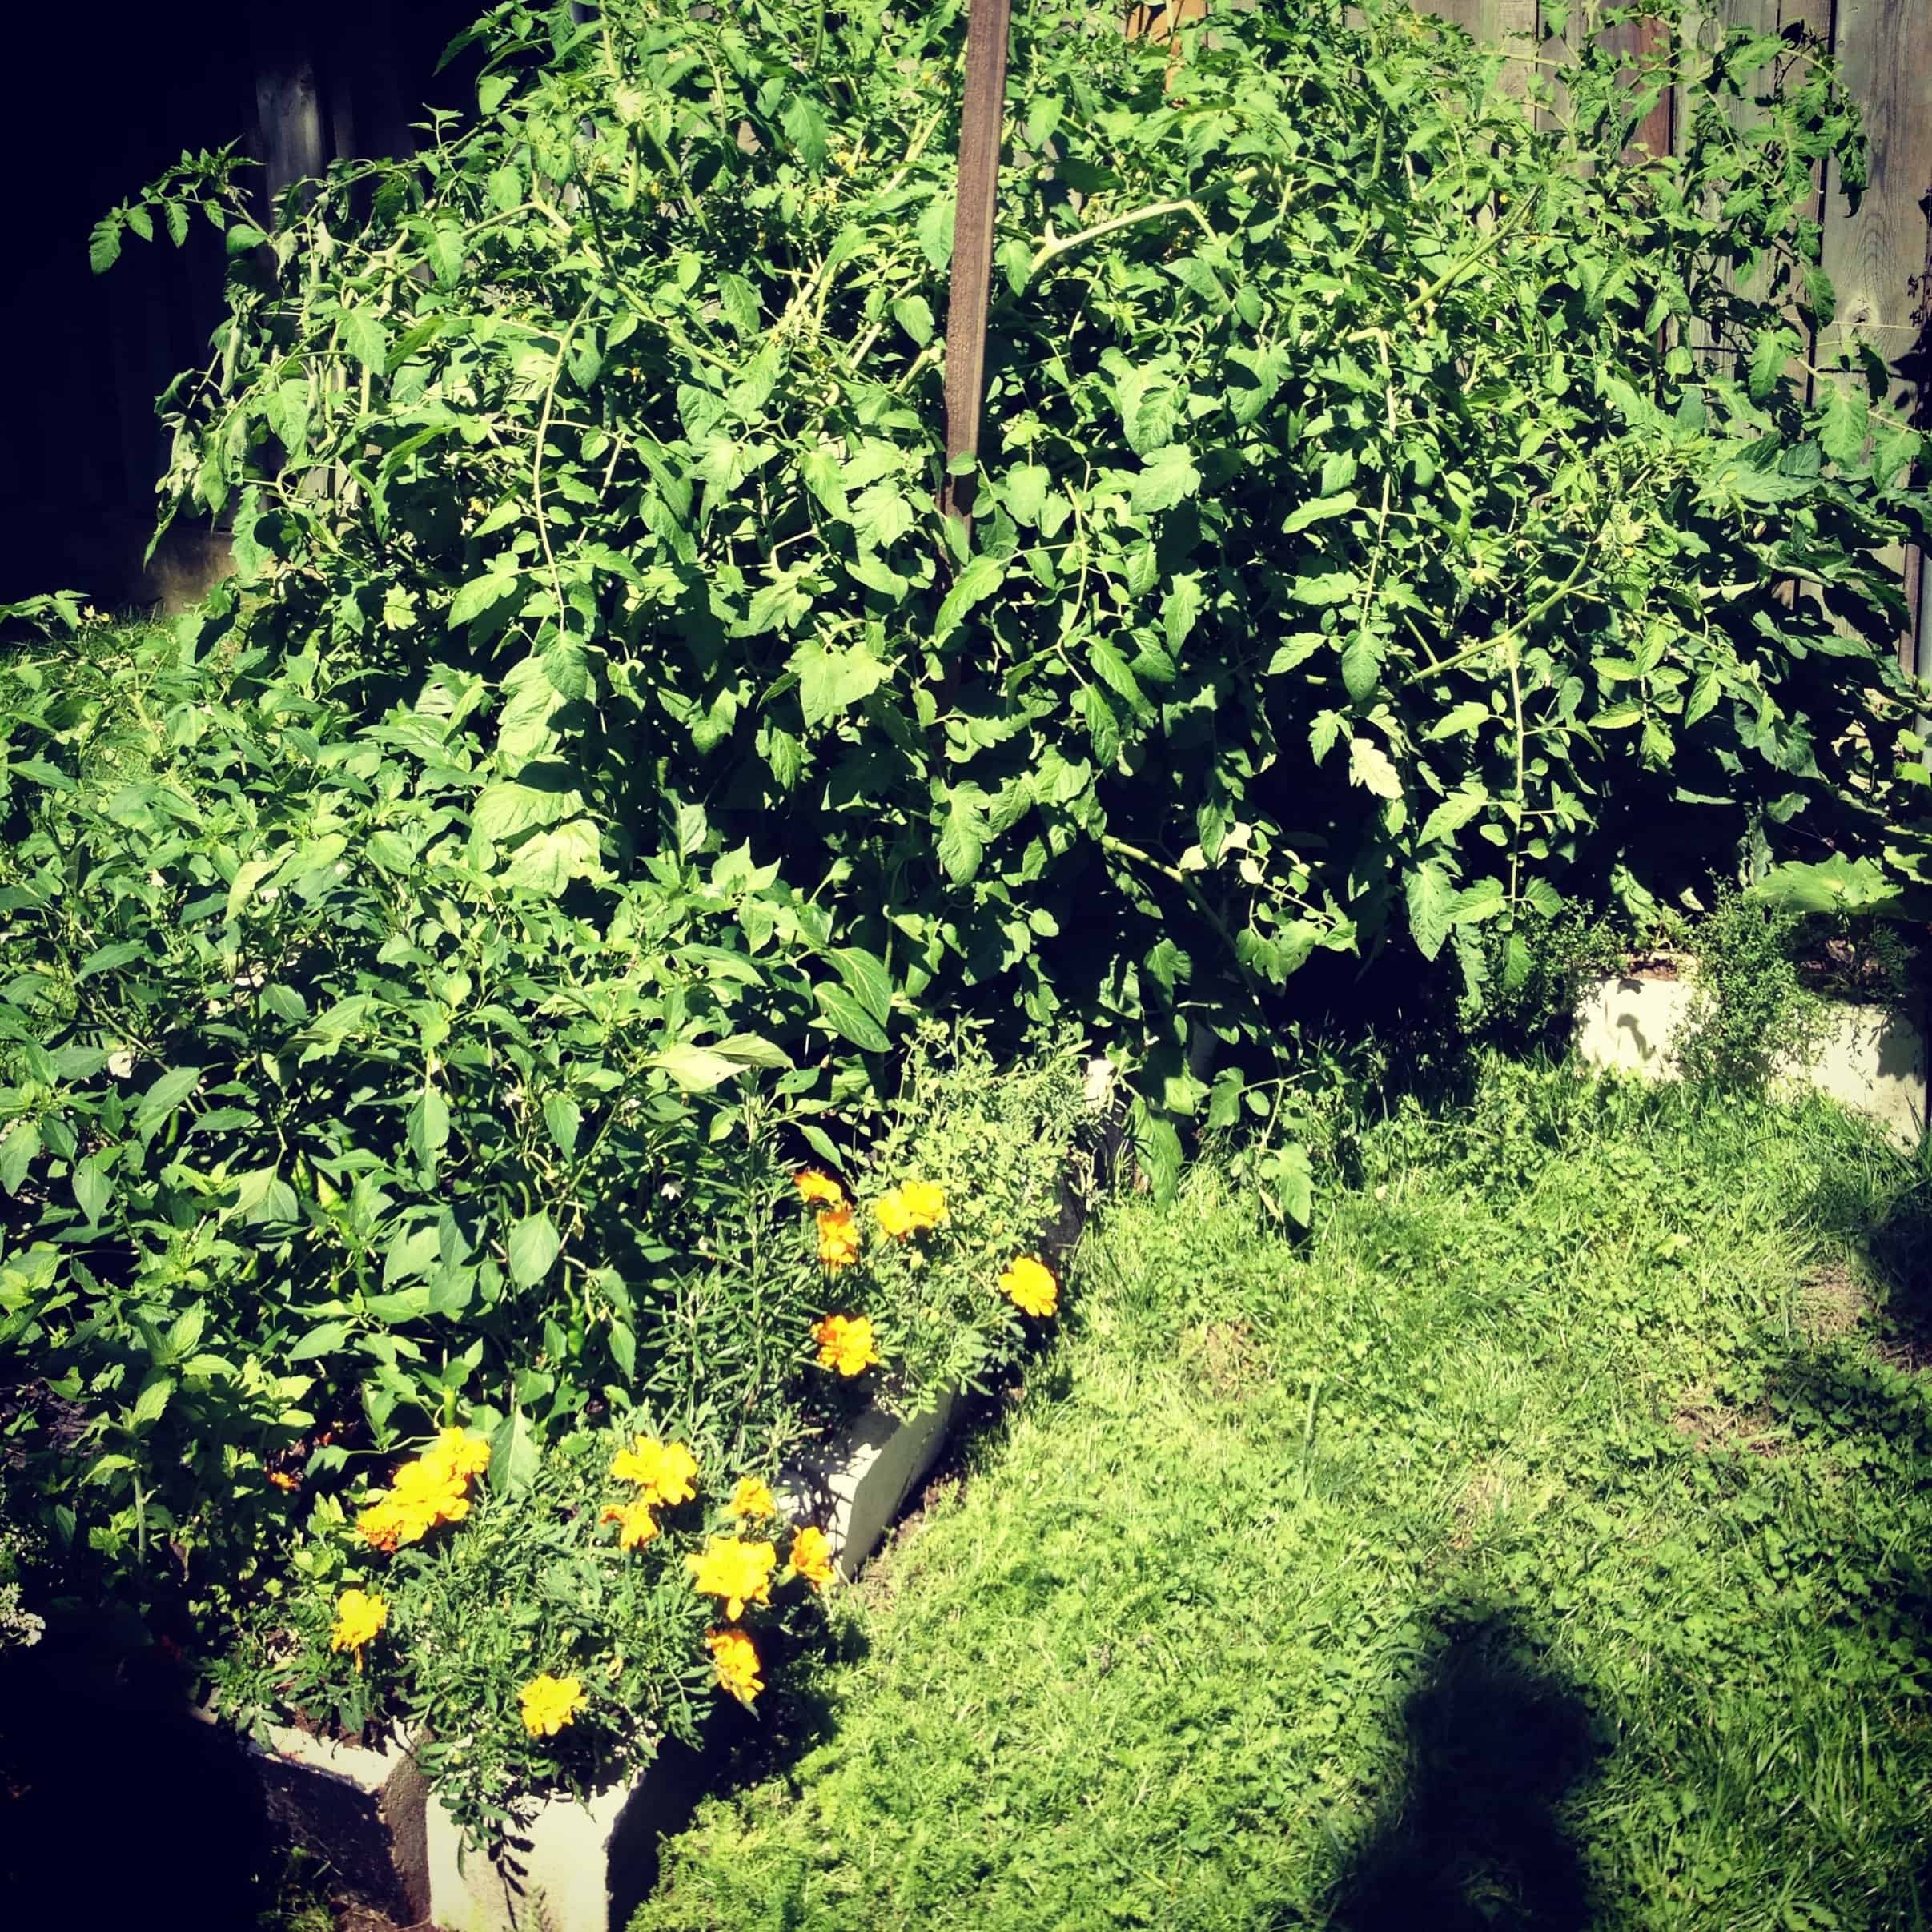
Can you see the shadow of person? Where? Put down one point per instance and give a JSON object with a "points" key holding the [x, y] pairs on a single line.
{"points": [[1472, 1836]]}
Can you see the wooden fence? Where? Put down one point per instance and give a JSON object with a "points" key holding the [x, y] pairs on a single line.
{"points": [[1879, 255]]}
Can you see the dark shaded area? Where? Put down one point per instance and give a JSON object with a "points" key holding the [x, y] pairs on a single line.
{"points": [[115, 1807], [1473, 1834], [104, 101]]}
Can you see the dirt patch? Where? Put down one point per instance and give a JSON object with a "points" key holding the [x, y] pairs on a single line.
{"points": [[1653, 966], [1832, 1303], [1710, 1423], [352, 1918], [1485, 1495], [1226, 1359]]}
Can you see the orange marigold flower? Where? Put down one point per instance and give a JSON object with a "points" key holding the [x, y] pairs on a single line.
{"points": [[751, 1498], [1031, 1286], [845, 1343], [282, 1479], [812, 1186], [636, 1525], [664, 1472], [740, 1572], [812, 1556], [735, 1658], [550, 1703], [838, 1237], [432, 1489]]}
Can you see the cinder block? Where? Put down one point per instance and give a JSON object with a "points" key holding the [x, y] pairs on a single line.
{"points": [[853, 1487], [1630, 1025], [1870, 1059], [1873, 1061], [361, 1810], [570, 1866]]}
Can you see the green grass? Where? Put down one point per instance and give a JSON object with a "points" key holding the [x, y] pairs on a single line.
{"points": [[1543, 1544]]}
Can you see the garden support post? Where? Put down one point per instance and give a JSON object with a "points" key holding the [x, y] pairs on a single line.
{"points": [[988, 29]]}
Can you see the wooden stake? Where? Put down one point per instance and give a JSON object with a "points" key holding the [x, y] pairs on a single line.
{"points": [[988, 28]]}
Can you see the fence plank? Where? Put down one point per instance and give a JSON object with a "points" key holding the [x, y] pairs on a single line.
{"points": [[1875, 256]]}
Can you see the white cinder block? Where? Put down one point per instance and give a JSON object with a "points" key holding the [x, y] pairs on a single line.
{"points": [[852, 1487], [564, 1869], [1870, 1059], [361, 1810], [1630, 1025]]}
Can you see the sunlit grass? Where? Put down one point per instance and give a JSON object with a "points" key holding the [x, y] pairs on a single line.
{"points": [[1543, 1544]]}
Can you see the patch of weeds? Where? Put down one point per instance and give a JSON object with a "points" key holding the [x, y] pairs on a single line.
{"points": [[1751, 1013]]}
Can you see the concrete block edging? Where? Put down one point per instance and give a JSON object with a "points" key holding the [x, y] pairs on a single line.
{"points": [[1869, 1058]]}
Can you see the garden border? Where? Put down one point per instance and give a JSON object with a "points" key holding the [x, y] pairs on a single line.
{"points": [[371, 1814], [1869, 1058]]}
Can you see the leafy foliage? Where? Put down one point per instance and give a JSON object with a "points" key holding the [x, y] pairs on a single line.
{"points": [[1751, 1015], [1385, 525]]}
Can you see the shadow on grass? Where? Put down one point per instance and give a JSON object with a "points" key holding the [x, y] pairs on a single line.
{"points": [[1473, 1835]]}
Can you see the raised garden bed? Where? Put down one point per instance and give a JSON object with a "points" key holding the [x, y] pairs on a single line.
{"points": [[1871, 1059]]}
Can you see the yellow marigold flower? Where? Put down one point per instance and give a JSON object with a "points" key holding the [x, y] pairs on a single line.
{"points": [[924, 1201], [812, 1556], [459, 1453], [845, 1343], [1031, 1286], [912, 1209], [735, 1658], [359, 1615], [751, 1498], [740, 1572], [838, 1237], [550, 1703], [664, 1472], [636, 1525], [812, 1186]]}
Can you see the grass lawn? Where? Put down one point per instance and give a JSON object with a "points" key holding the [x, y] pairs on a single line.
{"points": [[1545, 1543]]}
